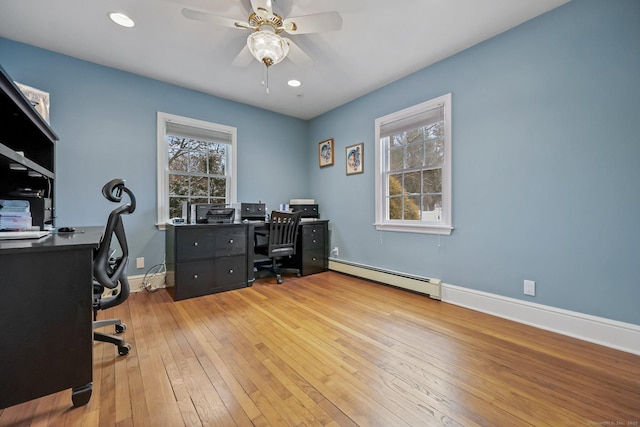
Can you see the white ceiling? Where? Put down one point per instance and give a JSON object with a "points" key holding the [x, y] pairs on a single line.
{"points": [[380, 41]]}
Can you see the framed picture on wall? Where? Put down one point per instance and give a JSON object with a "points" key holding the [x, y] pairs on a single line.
{"points": [[325, 153], [38, 98], [355, 159]]}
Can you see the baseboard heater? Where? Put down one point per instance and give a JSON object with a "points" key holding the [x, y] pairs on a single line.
{"points": [[423, 285]]}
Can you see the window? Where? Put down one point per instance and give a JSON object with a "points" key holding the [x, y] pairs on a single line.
{"points": [[413, 168], [196, 163]]}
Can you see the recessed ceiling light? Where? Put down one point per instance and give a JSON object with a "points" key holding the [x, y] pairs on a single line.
{"points": [[294, 83], [121, 19]]}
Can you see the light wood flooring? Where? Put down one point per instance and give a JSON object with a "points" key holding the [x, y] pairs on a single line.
{"points": [[334, 350]]}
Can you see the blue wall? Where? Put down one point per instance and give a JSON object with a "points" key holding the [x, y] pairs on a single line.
{"points": [[545, 157], [106, 121], [546, 164]]}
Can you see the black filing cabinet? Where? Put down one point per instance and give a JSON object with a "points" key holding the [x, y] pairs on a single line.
{"points": [[205, 259], [312, 247]]}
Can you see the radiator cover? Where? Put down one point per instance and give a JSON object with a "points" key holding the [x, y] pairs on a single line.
{"points": [[423, 285]]}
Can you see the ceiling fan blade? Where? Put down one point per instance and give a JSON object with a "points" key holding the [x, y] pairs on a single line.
{"points": [[213, 19], [297, 55], [244, 58], [319, 22], [262, 8]]}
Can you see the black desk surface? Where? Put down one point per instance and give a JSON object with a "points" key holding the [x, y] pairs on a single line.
{"points": [[83, 236]]}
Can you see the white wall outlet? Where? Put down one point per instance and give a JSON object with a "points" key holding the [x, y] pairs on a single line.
{"points": [[140, 262], [530, 288], [335, 251]]}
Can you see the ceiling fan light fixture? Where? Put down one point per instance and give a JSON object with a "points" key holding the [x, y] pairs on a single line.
{"points": [[267, 47]]}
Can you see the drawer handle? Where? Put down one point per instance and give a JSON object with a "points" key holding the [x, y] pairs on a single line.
{"points": [[313, 231], [231, 271], [313, 259], [314, 240], [230, 240], [246, 209], [195, 276], [195, 243]]}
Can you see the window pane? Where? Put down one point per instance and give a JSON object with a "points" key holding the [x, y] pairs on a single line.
{"points": [[415, 155], [219, 187], [395, 185], [178, 157], [396, 159], [435, 130], [178, 185], [398, 140], [432, 181], [199, 186], [412, 207], [217, 157], [434, 152], [175, 206], [412, 183], [414, 135], [432, 208], [395, 208], [198, 162]]}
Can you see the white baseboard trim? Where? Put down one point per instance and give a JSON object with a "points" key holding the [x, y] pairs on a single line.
{"points": [[135, 283], [610, 333]]}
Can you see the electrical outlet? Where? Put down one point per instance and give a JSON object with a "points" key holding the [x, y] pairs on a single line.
{"points": [[140, 262], [336, 251], [530, 288]]}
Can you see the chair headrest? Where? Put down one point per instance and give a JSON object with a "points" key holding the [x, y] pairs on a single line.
{"points": [[113, 189]]}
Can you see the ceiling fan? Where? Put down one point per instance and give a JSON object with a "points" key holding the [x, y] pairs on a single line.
{"points": [[265, 42]]}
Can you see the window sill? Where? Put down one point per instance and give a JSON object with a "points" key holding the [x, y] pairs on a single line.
{"points": [[444, 230]]}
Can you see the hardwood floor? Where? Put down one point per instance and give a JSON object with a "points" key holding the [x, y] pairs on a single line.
{"points": [[333, 350]]}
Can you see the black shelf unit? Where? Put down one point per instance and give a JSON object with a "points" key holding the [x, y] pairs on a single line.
{"points": [[27, 146]]}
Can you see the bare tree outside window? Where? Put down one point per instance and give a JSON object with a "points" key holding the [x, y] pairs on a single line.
{"points": [[416, 159], [197, 172]]}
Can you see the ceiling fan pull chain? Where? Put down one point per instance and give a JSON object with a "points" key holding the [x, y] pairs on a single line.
{"points": [[267, 80]]}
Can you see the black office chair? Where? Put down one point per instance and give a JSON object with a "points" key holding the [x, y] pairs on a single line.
{"points": [[109, 268], [283, 232]]}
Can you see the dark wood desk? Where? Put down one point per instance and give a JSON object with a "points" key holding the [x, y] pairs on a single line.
{"points": [[207, 258], [204, 259], [46, 342], [312, 246]]}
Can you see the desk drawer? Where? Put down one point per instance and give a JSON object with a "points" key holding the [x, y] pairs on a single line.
{"points": [[231, 270], [252, 211], [194, 278], [313, 239], [196, 243], [313, 261], [308, 211], [231, 242]]}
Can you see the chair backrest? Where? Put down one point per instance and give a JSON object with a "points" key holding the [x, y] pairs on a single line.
{"points": [[108, 271], [283, 232]]}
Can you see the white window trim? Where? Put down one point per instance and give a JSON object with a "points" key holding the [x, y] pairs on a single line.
{"points": [[382, 223], [163, 163]]}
